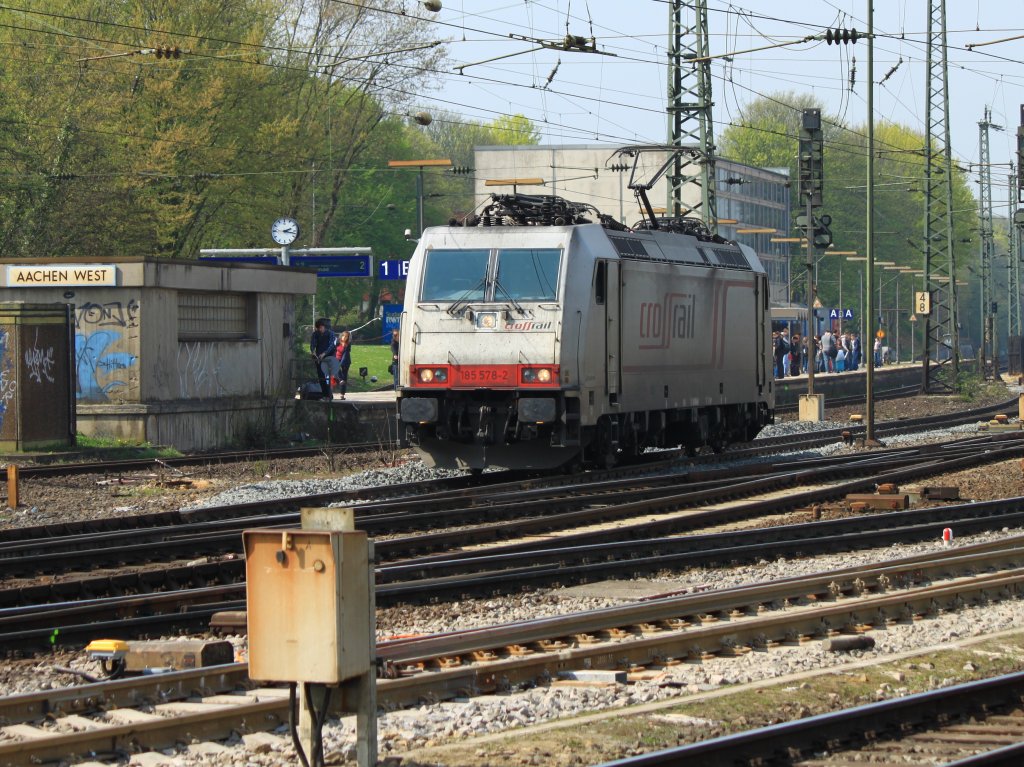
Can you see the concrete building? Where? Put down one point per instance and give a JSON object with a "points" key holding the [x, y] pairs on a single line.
{"points": [[748, 197], [184, 353]]}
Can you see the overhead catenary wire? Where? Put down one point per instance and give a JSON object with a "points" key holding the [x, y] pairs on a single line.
{"points": [[610, 137]]}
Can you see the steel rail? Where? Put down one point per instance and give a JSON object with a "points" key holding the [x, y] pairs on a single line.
{"points": [[545, 515], [782, 743], [484, 574], [404, 583], [56, 468], [461, 485], [452, 674], [394, 511]]}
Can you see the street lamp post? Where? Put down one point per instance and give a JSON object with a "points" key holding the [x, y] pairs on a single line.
{"points": [[420, 164]]}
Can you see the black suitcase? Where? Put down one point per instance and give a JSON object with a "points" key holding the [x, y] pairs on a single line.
{"points": [[311, 390]]}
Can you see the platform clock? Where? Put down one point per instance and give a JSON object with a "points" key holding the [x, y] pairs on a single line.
{"points": [[284, 231]]}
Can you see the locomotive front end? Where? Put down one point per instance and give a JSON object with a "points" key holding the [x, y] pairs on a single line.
{"points": [[480, 363]]}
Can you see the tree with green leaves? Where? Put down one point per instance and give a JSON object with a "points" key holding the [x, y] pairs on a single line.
{"points": [[767, 134], [262, 108]]}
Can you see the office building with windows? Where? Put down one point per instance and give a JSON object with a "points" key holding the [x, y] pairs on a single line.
{"points": [[748, 197]]}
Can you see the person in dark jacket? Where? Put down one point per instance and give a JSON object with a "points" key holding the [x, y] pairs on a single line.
{"points": [[780, 344], [322, 346], [796, 352], [394, 355], [344, 357]]}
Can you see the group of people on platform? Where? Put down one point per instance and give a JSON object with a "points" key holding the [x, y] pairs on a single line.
{"points": [[332, 353], [834, 353]]}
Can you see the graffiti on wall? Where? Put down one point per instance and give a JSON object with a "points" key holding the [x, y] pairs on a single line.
{"points": [[102, 331], [39, 362], [8, 383], [113, 314], [98, 369], [199, 373]]}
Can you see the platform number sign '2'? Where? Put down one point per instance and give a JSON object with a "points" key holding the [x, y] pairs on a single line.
{"points": [[923, 302], [392, 270]]}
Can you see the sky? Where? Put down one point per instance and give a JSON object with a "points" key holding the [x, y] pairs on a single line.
{"points": [[620, 98]]}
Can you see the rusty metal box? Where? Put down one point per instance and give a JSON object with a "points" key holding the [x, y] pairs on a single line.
{"points": [[308, 605]]}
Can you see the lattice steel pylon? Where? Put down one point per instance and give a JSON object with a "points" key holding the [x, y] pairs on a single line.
{"points": [[941, 327], [1013, 278], [987, 237], [689, 107]]}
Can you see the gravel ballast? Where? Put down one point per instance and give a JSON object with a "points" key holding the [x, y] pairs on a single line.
{"points": [[454, 720]]}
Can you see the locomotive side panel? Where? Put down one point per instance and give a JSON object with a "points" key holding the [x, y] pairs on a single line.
{"points": [[689, 336]]}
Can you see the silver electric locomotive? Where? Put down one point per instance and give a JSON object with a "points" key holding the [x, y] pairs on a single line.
{"points": [[534, 338]]}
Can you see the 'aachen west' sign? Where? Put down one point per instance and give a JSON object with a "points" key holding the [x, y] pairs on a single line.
{"points": [[61, 275]]}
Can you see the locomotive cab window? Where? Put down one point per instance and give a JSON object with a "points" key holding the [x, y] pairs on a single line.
{"points": [[600, 282], [455, 275], [527, 274], [508, 274]]}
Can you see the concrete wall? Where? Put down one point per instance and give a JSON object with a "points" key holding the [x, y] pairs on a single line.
{"points": [[138, 380]]}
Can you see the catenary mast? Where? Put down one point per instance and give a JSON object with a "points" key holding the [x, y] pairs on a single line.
{"points": [[689, 107]]}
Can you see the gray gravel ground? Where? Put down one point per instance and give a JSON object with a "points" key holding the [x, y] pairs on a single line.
{"points": [[400, 731]]}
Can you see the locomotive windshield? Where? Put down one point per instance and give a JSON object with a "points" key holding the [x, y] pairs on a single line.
{"points": [[519, 274], [528, 274], [455, 275]]}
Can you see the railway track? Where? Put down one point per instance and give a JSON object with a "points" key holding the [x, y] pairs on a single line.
{"points": [[66, 469], [185, 597], [441, 491], [978, 724], [157, 712], [27, 543]]}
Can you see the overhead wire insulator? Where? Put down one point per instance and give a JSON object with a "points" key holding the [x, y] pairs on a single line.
{"points": [[167, 52], [841, 36]]}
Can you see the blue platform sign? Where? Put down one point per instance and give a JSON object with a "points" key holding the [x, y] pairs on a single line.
{"points": [[325, 265], [840, 314], [393, 269], [391, 318], [335, 266]]}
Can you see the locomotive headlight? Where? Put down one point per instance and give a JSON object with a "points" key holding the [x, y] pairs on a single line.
{"points": [[432, 375], [536, 375]]}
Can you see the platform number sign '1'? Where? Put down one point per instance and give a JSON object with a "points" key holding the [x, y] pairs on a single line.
{"points": [[392, 269], [923, 302]]}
